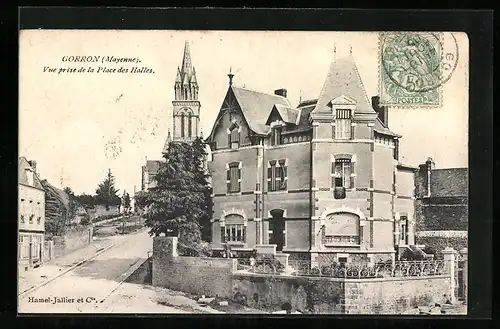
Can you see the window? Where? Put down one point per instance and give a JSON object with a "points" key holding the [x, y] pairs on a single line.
{"points": [[276, 136], [342, 170], [189, 125], [270, 233], [342, 259], [234, 178], [234, 137], [182, 125], [234, 229], [396, 149], [403, 232], [233, 233], [32, 211], [277, 175], [342, 128], [38, 212], [342, 229]]}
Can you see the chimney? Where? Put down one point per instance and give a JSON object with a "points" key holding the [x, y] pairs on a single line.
{"points": [[381, 110], [424, 179], [280, 92], [33, 165]]}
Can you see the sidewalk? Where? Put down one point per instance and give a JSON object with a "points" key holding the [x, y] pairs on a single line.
{"points": [[36, 276]]}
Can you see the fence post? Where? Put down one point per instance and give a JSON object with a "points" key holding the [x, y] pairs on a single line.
{"points": [[465, 267], [449, 255]]}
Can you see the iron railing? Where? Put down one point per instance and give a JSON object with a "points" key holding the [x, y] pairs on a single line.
{"points": [[368, 270], [350, 270]]}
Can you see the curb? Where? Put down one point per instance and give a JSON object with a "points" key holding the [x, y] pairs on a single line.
{"points": [[125, 275], [64, 272]]}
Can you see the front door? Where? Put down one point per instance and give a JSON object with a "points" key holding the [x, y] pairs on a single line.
{"points": [[277, 226]]}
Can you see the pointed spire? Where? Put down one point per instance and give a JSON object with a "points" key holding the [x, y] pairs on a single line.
{"points": [[178, 78], [186, 60], [230, 75], [167, 143], [343, 79], [193, 77]]}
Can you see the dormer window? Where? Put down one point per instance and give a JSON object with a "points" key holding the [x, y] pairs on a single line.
{"points": [[343, 124], [234, 136]]}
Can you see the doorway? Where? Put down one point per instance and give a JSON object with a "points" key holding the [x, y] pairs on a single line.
{"points": [[277, 227]]}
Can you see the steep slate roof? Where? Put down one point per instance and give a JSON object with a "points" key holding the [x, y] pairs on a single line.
{"points": [[381, 129], [23, 164], [288, 114], [256, 107], [343, 79]]}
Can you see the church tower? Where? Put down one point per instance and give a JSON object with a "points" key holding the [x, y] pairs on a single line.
{"points": [[186, 106]]}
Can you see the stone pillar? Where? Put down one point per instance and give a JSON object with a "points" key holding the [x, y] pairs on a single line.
{"points": [[314, 260], [449, 255], [465, 271]]}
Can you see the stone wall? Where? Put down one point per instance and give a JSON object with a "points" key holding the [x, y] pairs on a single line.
{"points": [[318, 295], [394, 295], [340, 296], [72, 240], [207, 276]]}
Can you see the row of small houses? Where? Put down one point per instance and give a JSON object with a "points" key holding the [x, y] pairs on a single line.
{"points": [[46, 212]]}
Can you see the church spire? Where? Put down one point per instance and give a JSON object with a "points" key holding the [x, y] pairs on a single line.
{"points": [[187, 66]]}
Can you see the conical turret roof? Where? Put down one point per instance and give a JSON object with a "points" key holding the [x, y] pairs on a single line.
{"points": [[343, 79]]}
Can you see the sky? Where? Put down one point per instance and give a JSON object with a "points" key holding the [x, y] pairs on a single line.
{"points": [[70, 123]]}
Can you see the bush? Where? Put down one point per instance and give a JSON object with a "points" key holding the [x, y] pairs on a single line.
{"points": [[268, 264]]}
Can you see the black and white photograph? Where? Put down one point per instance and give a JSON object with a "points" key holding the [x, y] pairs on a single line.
{"points": [[243, 172]]}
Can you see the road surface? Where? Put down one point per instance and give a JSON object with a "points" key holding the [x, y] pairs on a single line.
{"points": [[82, 289]]}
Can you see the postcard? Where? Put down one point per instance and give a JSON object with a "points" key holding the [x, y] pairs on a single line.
{"points": [[229, 172]]}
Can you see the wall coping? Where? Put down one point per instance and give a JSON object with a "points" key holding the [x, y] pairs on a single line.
{"points": [[442, 234], [345, 280]]}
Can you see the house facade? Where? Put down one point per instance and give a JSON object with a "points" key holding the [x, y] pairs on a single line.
{"points": [[321, 180], [185, 115], [31, 214]]}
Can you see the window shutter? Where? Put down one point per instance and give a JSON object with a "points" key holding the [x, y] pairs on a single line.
{"points": [[333, 132], [244, 234], [269, 178], [223, 234], [228, 180], [239, 179], [285, 173], [352, 131], [352, 172]]}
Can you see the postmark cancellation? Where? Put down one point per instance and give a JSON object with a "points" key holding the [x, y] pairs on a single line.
{"points": [[413, 67]]}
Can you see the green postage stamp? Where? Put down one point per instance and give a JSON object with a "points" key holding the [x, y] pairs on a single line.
{"points": [[413, 66]]}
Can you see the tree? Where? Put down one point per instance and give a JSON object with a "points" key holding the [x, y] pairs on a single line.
{"points": [[106, 193], [178, 204], [86, 200], [126, 202], [55, 211]]}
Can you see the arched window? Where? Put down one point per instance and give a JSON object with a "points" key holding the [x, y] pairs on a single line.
{"points": [[182, 125], [342, 228], [189, 125], [234, 229]]}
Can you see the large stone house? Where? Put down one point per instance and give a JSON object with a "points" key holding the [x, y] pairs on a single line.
{"points": [[321, 180], [31, 214]]}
